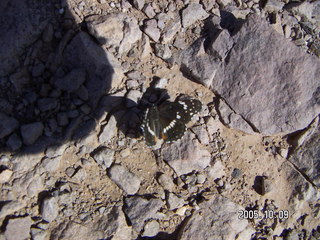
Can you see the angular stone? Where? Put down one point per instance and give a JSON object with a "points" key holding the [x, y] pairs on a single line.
{"points": [[125, 180], [31, 132], [166, 182], [108, 131], [72, 81], [193, 13], [148, 10], [106, 29], [151, 229], [171, 28], [306, 156], [152, 30], [18, 228], [7, 125], [174, 202], [139, 210], [115, 30], [220, 215], [186, 155], [104, 157], [49, 209]]}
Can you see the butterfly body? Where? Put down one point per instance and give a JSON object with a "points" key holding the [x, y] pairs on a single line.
{"points": [[167, 122]]}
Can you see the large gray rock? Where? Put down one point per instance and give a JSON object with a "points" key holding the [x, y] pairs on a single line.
{"points": [[270, 82], [186, 155], [22, 23], [139, 210], [18, 228], [7, 125], [217, 218]]}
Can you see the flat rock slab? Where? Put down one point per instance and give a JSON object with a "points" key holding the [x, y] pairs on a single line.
{"points": [[139, 210], [186, 155], [271, 83], [216, 219]]}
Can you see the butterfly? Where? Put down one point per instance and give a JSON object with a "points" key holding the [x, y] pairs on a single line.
{"points": [[166, 122]]}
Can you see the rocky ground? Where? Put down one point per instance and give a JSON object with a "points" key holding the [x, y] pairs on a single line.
{"points": [[75, 77]]}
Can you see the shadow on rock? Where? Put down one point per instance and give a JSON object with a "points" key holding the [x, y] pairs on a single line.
{"points": [[59, 93]]}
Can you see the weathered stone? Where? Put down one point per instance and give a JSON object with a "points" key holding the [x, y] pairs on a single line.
{"points": [[72, 81], [106, 29], [289, 80], [80, 175], [193, 13], [31, 132], [18, 228], [7, 125], [152, 30], [151, 229], [166, 182], [162, 51], [306, 156], [125, 180], [104, 157], [171, 28], [116, 30], [140, 210], [108, 131], [49, 209], [209, 222], [148, 10], [273, 6], [174, 202], [186, 155]]}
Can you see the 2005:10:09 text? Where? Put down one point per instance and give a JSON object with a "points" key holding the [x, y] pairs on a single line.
{"points": [[270, 214]]}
